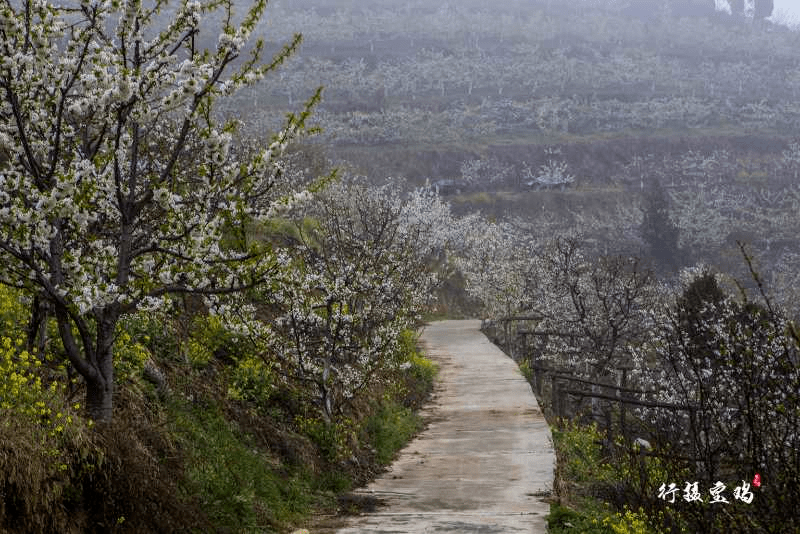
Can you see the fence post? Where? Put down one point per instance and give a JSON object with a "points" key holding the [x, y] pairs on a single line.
{"points": [[522, 337], [624, 384], [556, 397], [507, 338], [594, 401]]}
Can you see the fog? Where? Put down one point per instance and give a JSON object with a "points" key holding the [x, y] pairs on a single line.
{"points": [[563, 115], [788, 9]]}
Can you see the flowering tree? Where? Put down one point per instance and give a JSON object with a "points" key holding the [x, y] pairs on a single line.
{"points": [[483, 172], [735, 367], [589, 309], [360, 274], [117, 187], [553, 173], [785, 281], [496, 264]]}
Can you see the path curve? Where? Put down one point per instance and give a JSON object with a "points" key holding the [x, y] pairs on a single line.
{"points": [[485, 462]]}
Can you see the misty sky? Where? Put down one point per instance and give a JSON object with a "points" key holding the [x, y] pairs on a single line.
{"points": [[791, 6], [783, 8]]}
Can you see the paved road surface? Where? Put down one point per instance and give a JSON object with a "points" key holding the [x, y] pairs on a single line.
{"points": [[484, 464]]}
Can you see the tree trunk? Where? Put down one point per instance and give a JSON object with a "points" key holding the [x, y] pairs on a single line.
{"points": [[99, 400], [325, 393], [100, 390], [37, 327]]}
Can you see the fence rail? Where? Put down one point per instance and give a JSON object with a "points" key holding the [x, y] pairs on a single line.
{"points": [[562, 394]]}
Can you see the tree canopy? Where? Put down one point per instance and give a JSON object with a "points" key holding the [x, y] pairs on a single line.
{"points": [[118, 186]]}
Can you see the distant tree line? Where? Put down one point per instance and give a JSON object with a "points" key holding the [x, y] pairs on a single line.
{"points": [[696, 8], [761, 9]]}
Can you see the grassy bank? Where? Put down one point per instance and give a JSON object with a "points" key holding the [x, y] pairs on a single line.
{"points": [[583, 475], [204, 439]]}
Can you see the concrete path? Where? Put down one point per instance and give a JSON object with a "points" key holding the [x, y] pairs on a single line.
{"points": [[484, 464]]}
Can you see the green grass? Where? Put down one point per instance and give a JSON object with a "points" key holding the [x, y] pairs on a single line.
{"points": [[394, 421], [239, 487], [526, 370], [243, 488], [435, 316], [581, 472], [578, 451], [566, 520], [390, 428], [595, 518]]}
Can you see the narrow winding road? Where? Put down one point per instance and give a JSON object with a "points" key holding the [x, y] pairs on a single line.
{"points": [[485, 462]]}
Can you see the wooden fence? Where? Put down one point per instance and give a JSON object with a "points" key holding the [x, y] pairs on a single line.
{"points": [[607, 401]]}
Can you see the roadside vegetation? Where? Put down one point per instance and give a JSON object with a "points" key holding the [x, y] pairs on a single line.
{"points": [[670, 404], [584, 479], [213, 445], [198, 331]]}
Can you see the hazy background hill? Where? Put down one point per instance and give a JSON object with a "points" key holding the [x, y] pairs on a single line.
{"points": [[562, 114]]}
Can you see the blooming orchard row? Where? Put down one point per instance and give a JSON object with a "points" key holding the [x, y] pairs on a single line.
{"points": [[363, 265], [717, 372], [545, 114], [120, 190]]}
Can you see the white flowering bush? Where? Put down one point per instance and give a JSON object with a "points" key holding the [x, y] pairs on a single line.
{"points": [[578, 312], [734, 368], [117, 185], [483, 172], [356, 279], [713, 380], [495, 263], [590, 308], [552, 173]]}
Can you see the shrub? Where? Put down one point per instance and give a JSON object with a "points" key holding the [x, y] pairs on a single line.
{"points": [[252, 380], [332, 439], [12, 312], [58, 473], [154, 331], [44, 445], [209, 337], [629, 522], [579, 454], [415, 381], [563, 519], [129, 357]]}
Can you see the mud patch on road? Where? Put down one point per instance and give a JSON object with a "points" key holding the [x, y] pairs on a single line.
{"points": [[357, 503]]}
